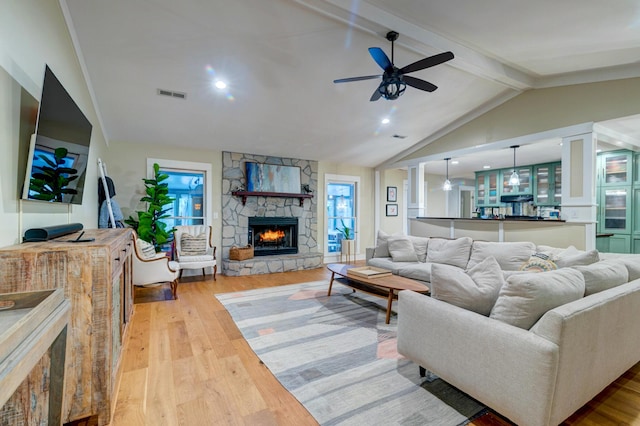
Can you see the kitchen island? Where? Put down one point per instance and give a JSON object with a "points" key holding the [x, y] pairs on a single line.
{"points": [[552, 232]]}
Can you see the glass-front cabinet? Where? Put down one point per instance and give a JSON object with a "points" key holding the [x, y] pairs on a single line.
{"points": [[525, 181], [487, 189], [616, 168], [547, 184], [615, 212]]}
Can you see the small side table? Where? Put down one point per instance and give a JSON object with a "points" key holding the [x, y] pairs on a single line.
{"points": [[348, 250]]}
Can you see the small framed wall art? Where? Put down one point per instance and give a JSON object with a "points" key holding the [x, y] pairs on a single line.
{"points": [[392, 210], [392, 194]]}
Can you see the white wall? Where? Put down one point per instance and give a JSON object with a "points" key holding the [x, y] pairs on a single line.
{"points": [[33, 33]]}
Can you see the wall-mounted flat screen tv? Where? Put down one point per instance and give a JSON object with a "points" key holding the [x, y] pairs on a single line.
{"points": [[59, 150]]}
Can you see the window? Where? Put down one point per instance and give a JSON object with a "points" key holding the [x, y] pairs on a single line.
{"points": [[342, 206], [188, 186]]}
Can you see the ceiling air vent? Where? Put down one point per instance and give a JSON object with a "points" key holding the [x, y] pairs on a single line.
{"points": [[399, 136], [172, 94]]}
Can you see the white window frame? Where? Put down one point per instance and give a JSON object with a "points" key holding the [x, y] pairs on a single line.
{"points": [[355, 180], [189, 166]]}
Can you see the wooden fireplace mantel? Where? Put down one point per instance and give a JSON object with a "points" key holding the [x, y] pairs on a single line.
{"points": [[245, 194]]}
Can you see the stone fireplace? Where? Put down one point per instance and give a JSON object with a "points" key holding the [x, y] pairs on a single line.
{"points": [[298, 219], [273, 235]]}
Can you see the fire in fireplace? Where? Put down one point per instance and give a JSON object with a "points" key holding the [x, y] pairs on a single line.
{"points": [[273, 235]]}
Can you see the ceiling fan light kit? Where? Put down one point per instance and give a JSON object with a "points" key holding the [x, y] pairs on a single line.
{"points": [[394, 79]]}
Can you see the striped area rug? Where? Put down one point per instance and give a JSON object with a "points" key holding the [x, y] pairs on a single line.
{"points": [[339, 359]]}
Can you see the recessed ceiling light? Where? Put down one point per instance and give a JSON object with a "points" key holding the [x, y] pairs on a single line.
{"points": [[385, 121], [220, 84], [486, 167], [454, 161]]}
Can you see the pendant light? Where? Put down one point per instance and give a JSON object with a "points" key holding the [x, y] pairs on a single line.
{"points": [[514, 180], [447, 182]]}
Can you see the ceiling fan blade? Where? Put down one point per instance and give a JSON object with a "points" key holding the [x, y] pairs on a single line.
{"points": [[366, 77], [380, 57], [376, 95], [427, 62], [419, 84]]}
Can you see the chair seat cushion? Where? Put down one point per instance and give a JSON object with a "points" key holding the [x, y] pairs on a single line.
{"points": [[202, 258]]}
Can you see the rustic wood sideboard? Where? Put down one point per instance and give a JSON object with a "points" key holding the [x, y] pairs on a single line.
{"points": [[96, 278]]}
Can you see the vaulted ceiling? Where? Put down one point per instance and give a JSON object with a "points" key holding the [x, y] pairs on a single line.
{"points": [[280, 58]]}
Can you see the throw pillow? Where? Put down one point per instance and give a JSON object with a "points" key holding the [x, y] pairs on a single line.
{"points": [[580, 258], [193, 245], [538, 264], [146, 249], [510, 256], [401, 249], [476, 290], [524, 298], [382, 247], [450, 252], [603, 275], [420, 245]]}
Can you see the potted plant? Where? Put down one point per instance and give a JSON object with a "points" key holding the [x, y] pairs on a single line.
{"points": [[347, 245], [149, 225]]}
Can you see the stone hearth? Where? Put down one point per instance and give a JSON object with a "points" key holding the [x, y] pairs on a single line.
{"points": [[235, 217]]}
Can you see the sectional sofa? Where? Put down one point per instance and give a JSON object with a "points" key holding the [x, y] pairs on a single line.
{"points": [[534, 332]]}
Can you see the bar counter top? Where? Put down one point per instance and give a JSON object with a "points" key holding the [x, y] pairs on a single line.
{"points": [[506, 219]]}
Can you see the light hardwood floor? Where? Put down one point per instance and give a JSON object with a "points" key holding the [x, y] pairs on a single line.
{"points": [[185, 363]]}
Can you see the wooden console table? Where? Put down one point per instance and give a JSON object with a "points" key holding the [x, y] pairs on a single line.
{"points": [[96, 278], [33, 330]]}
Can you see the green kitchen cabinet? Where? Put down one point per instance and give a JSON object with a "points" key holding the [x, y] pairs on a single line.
{"points": [[487, 190], [615, 168], [547, 184], [614, 214], [525, 187]]}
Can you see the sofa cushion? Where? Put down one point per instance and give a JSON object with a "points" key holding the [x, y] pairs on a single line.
{"points": [[193, 245], [603, 275], [524, 298], [580, 258], [420, 245], [510, 256], [415, 271], [385, 263], [401, 249], [475, 290], [450, 252]]}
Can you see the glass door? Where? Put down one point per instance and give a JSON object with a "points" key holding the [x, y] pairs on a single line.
{"points": [[615, 217], [556, 195], [341, 214], [616, 169], [543, 185]]}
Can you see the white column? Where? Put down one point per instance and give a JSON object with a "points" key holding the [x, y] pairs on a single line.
{"points": [[415, 203], [579, 183]]}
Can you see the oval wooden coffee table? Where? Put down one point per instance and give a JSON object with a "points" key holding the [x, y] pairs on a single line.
{"points": [[385, 286]]}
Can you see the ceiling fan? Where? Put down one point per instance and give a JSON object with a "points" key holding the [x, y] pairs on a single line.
{"points": [[394, 80]]}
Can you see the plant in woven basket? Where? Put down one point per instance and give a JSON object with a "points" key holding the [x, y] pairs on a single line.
{"points": [[149, 225]]}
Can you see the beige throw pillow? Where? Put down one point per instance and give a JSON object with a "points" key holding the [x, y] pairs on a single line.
{"points": [[450, 252], [509, 255], [420, 245], [193, 245], [476, 290], [524, 298], [382, 247], [577, 258], [603, 275], [401, 249]]}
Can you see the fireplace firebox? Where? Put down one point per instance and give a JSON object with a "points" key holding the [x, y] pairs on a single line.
{"points": [[273, 235]]}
